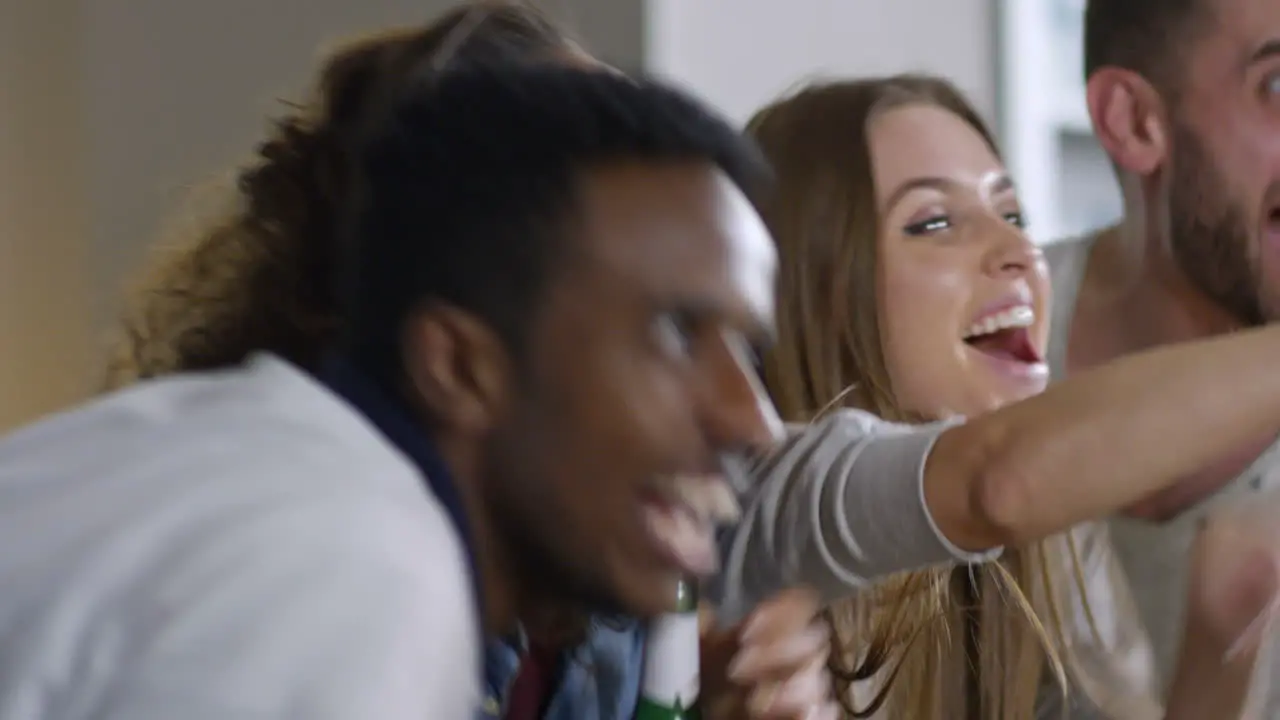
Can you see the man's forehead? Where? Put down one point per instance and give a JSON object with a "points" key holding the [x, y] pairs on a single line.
{"points": [[678, 228], [1244, 26], [1220, 53]]}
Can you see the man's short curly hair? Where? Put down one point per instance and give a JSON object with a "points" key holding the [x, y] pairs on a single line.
{"points": [[470, 184]]}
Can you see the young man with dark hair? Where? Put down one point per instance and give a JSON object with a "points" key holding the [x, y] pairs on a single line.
{"points": [[555, 280], [1185, 99]]}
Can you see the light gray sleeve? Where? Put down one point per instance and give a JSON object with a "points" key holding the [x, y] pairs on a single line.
{"points": [[838, 505]]}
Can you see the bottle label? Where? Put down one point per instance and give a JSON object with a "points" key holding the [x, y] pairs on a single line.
{"points": [[671, 661]]}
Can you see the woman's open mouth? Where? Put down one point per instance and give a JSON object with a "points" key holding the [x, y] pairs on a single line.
{"points": [[1004, 338]]}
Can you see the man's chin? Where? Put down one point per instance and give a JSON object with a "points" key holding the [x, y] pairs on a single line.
{"points": [[646, 595]]}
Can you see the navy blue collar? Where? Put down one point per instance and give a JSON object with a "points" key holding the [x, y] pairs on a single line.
{"points": [[397, 424]]}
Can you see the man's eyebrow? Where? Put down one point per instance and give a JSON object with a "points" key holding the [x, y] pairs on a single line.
{"points": [[1265, 51], [708, 309]]}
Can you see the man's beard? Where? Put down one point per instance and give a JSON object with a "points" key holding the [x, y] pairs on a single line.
{"points": [[526, 522], [546, 576], [1209, 234]]}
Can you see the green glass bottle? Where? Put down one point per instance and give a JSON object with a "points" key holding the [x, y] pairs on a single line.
{"points": [[671, 659]]}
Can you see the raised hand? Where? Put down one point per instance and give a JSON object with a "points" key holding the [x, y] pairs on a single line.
{"points": [[773, 666]]}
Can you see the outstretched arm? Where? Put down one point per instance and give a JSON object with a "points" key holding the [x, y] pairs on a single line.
{"points": [[852, 498], [1102, 440]]}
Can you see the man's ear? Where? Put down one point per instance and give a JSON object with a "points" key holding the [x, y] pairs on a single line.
{"points": [[1129, 119], [458, 367]]}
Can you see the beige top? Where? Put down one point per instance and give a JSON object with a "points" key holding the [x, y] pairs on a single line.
{"points": [[1150, 558]]}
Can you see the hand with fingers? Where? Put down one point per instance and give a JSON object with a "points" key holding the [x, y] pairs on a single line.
{"points": [[772, 666]]}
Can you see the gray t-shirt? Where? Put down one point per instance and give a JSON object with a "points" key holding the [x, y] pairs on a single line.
{"points": [[836, 507], [839, 505], [1154, 557]]}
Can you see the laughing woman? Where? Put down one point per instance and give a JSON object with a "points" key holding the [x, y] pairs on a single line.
{"points": [[909, 292]]}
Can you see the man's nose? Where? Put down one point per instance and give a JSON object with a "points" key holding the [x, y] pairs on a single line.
{"points": [[738, 414]]}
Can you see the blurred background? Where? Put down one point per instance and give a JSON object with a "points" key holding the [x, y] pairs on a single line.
{"points": [[112, 110]]}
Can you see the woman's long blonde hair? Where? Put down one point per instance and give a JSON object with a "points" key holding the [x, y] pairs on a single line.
{"points": [[968, 642]]}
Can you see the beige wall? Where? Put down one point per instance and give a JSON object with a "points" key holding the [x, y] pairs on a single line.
{"points": [[45, 283], [179, 90], [110, 109]]}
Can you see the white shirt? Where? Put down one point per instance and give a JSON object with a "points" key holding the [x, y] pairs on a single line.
{"points": [[224, 547]]}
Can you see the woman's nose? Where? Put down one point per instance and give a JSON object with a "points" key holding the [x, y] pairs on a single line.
{"points": [[1012, 252]]}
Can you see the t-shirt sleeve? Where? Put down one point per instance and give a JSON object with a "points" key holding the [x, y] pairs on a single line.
{"points": [[838, 505], [335, 610]]}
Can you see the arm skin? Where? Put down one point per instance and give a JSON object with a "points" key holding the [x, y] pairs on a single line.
{"points": [[1102, 440]]}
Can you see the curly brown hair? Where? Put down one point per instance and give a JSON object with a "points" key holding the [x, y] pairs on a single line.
{"points": [[258, 275]]}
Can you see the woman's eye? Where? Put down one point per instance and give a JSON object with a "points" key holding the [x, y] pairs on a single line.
{"points": [[674, 334], [934, 224], [1016, 219]]}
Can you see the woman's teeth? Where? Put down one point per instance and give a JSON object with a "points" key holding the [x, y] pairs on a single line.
{"points": [[1020, 316]]}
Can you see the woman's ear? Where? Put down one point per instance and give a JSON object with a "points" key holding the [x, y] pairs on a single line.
{"points": [[1128, 119]]}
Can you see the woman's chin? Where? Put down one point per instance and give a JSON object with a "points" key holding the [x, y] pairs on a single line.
{"points": [[1023, 393], [993, 398]]}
